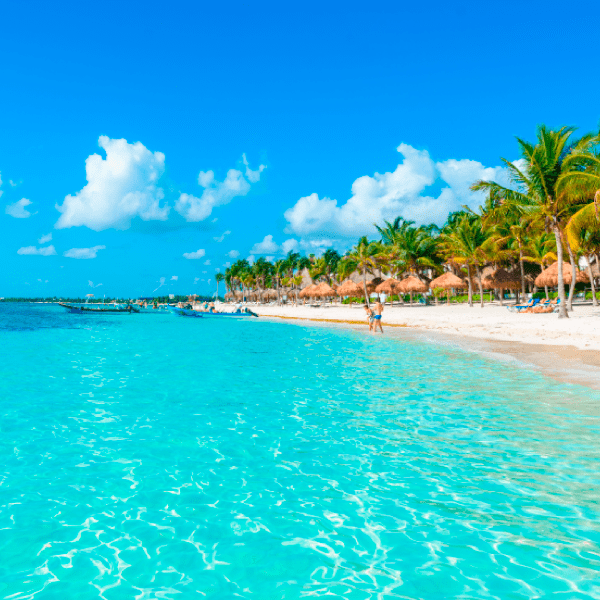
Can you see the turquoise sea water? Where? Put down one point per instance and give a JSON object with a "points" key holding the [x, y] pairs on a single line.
{"points": [[151, 456]]}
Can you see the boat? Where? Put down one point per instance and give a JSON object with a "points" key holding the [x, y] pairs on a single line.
{"points": [[240, 314], [185, 312], [102, 308]]}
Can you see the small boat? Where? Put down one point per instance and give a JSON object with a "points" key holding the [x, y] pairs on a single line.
{"points": [[184, 312], [247, 313], [102, 308]]}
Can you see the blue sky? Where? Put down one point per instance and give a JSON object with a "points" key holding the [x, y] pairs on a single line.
{"points": [[237, 129]]}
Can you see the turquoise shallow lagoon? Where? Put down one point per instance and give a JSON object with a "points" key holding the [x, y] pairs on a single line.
{"points": [[149, 456]]}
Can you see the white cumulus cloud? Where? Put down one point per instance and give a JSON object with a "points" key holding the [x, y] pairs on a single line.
{"points": [[33, 251], [216, 193], [267, 246], [18, 209], [288, 245], [387, 195], [206, 262], [194, 255], [233, 254], [83, 253], [119, 188], [174, 278], [45, 239]]}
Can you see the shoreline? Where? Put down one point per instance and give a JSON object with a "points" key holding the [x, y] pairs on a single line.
{"points": [[546, 346]]}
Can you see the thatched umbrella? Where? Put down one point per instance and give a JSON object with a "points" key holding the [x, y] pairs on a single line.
{"points": [[349, 288], [448, 281], [549, 276], [229, 296], [324, 290], [388, 287], [307, 292], [411, 285]]}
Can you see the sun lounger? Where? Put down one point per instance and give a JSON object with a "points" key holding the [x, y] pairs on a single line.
{"points": [[521, 307]]}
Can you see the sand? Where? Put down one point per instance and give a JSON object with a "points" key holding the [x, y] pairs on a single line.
{"points": [[493, 322]]}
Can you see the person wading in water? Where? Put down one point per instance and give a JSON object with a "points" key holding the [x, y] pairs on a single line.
{"points": [[377, 317]]}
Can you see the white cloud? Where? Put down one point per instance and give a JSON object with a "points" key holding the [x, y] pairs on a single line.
{"points": [[216, 193], [251, 259], [83, 253], [194, 255], [33, 251], [387, 195], [206, 262], [288, 245], [221, 237], [252, 176], [267, 246], [45, 239], [233, 254], [18, 209], [217, 270], [270, 258], [91, 284], [227, 264], [196, 280], [121, 187], [174, 278]]}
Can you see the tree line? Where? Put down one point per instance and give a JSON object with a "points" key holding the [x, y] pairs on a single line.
{"points": [[549, 208]]}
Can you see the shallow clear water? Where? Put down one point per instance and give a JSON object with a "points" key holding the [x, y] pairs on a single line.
{"points": [[151, 456]]}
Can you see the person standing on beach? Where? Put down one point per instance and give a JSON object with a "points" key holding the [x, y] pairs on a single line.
{"points": [[370, 315], [377, 316]]}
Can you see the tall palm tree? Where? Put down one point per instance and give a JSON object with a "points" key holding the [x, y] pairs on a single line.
{"points": [[218, 278], [466, 244], [364, 258], [540, 249], [536, 194], [279, 270], [583, 235]]}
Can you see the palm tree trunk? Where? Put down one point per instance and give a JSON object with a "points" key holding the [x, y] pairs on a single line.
{"points": [[546, 290], [470, 285], [480, 284], [591, 276], [562, 307], [365, 284], [521, 266], [573, 275]]}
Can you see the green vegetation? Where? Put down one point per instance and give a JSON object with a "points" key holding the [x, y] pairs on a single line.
{"points": [[550, 208]]}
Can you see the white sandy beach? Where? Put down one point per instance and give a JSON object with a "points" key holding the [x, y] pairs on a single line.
{"points": [[493, 322]]}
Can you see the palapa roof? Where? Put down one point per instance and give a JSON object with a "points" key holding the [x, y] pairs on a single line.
{"points": [[324, 290], [549, 276], [350, 288], [308, 291], [412, 284], [387, 287], [448, 280], [502, 279]]}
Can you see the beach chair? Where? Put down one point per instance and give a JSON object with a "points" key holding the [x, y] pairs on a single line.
{"points": [[521, 307]]}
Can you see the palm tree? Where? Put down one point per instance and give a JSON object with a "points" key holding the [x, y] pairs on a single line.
{"points": [[391, 232], [466, 244], [583, 234], [331, 258], [279, 269], [536, 194], [540, 249], [218, 278], [364, 258]]}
